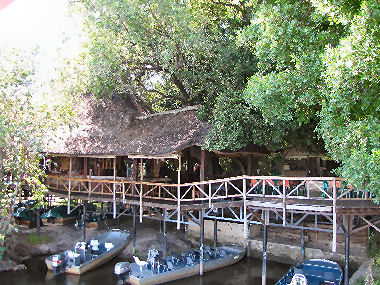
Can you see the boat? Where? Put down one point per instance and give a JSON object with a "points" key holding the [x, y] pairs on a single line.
{"points": [[313, 272], [59, 216], [85, 256], [159, 270]]}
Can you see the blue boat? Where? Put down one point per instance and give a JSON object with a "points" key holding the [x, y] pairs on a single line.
{"points": [[313, 272]]}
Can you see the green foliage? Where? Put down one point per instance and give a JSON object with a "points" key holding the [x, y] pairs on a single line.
{"points": [[273, 73], [165, 54], [350, 123], [24, 121]]}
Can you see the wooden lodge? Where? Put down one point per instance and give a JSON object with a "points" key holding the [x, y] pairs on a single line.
{"points": [[115, 153]]}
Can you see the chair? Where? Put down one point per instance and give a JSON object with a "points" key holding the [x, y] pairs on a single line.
{"points": [[140, 263]]}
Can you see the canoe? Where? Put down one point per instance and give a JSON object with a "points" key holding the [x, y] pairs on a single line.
{"points": [[157, 271], [313, 272], [85, 256]]}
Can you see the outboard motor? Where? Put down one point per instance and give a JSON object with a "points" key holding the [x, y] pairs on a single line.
{"points": [[122, 271], [59, 264]]}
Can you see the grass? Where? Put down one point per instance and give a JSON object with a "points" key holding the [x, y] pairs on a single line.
{"points": [[36, 239]]}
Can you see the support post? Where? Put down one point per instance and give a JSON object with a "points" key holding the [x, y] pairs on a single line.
{"points": [[201, 224], [38, 221], [334, 218], [186, 234], [164, 233], [303, 242], [84, 220], [134, 227], [265, 236], [114, 188], [202, 168], [249, 240], [68, 200], [347, 251], [141, 189], [215, 232], [179, 193], [245, 205]]}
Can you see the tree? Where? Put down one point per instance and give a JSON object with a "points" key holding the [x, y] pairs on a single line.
{"points": [[24, 120], [165, 54], [350, 115]]}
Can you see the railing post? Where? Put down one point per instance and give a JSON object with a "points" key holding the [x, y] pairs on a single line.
{"points": [[245, 205], [334, 218], [283, 203]]}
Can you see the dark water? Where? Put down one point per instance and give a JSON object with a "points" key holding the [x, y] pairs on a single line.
{"points": [[247, 271]]}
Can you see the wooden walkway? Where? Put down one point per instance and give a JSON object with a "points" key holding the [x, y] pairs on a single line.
{"points": [[247, 198]]}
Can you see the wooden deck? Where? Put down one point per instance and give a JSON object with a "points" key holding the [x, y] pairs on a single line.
{"points": [[320, 194]]}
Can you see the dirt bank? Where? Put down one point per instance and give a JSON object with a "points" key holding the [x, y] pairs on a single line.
{"points": [[54, 238]]}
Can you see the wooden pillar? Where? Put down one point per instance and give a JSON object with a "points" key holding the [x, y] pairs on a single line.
{"points": [[215, 232], [134, 175], [186, 226], [303, 242], [203, 165], [84, 220], [249, 165], [179, 193], [85, 166], [249, 240], [134, 227], [265, 236], [164, 233], [114, 188], [38, 220], [201, 224], [347, 250], [70, 170], [141, 189], [334, 235]]}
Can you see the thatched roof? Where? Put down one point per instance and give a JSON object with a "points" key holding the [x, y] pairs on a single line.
{"points": [[115, 127]]}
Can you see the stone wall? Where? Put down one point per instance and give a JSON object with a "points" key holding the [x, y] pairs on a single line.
{"points": [[284, 245]]}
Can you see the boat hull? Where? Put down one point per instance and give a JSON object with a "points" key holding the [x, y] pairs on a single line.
{"points": [[187, 271], [116, 250]]}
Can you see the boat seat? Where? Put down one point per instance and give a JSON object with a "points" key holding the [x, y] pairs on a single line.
{"points": [[170, 265], [140, 263], [206, 256], [108, 245], [298, 279], [189, 261]]}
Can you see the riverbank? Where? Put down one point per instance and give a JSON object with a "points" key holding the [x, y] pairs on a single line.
{"points": [[26, 244]]}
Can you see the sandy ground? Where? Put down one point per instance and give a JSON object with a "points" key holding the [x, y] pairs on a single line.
{"points": [[59, 238]]}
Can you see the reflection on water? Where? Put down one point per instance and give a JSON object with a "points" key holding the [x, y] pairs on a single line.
{"points": [[248, 271]]}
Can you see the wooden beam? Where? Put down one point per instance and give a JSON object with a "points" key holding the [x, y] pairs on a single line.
{"points": [[143, 156]]}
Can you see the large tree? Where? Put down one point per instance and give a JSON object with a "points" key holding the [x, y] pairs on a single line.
{"points": [[274, 73], [166, 53]]}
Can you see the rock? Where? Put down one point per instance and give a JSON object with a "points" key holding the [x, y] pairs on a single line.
{"points": [[9, 265], [19, 267]]}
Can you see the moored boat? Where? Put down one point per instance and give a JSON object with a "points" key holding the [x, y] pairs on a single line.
{"points": [[58, 216], [157, 270], [85, 256], [313, 272]]}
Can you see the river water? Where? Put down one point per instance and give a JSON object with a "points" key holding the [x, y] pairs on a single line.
{"points": [[246, 272]]}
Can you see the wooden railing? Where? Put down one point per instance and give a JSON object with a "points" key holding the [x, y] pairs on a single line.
{"points": [[243, 187]]}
